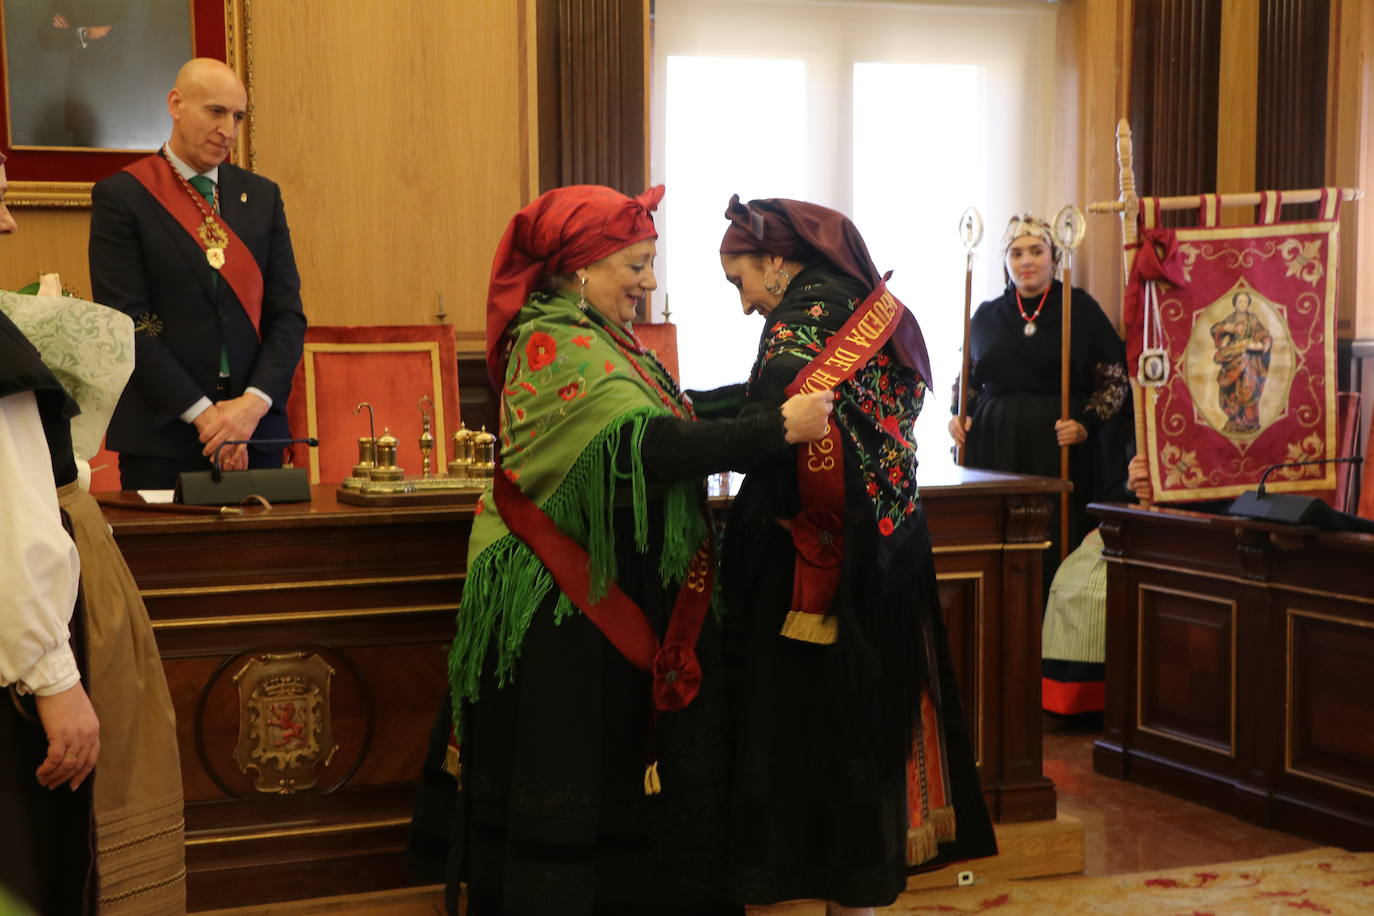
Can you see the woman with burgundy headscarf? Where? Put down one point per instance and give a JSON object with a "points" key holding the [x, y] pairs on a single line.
{"points": [[589, 726], [853, 763]]}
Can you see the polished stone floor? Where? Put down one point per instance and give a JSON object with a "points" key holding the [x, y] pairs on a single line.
{"points": [[1127, 828]]}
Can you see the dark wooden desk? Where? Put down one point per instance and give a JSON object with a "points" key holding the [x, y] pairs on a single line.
{"points": [[372, 593], [1239, 664]]}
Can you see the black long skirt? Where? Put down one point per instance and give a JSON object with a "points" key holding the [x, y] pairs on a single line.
{"points": [[552, 817], [820, 780]]}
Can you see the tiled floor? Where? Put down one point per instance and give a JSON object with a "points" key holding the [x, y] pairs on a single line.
{"points": [[1127, 828]]}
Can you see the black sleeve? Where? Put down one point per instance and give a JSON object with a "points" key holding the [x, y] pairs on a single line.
{"points": [[718, 402], [676, 449]]}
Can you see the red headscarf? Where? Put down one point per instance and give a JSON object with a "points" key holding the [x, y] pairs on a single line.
{"points": [[559, 232], [802, 232]]}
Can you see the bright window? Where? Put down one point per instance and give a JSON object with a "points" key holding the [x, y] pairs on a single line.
{"points": [[898, 114]]}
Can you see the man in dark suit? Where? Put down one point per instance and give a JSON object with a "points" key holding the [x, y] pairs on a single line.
{"points": [[198, 253]]}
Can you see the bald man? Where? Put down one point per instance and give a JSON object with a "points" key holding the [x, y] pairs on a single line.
{"points": [[197, 252]]}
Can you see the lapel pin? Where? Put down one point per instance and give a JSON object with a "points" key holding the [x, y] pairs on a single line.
{"points": [[243, 198]]}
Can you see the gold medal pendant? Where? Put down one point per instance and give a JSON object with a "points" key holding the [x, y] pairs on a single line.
{"points": [[214, 238]]}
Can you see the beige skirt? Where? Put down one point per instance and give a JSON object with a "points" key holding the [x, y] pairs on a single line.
{"points": [[140, 854]]}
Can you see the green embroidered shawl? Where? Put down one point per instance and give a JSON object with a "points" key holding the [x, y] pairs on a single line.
{"points": [[570, 395]]}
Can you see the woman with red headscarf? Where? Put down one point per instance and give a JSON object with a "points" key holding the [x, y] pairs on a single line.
{"points": [[853, 759], [588, 699]]}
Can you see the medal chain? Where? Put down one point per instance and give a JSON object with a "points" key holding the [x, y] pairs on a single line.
{"points": [[200, 203], [625, 347]]}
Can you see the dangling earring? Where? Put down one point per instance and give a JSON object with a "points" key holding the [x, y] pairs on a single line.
{"points": [[778, 286], [582, 293]]}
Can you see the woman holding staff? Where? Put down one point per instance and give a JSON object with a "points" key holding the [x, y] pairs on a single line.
{"points": [[1014, 418]]}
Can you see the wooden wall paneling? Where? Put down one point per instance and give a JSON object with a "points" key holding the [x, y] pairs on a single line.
{"points": [[399, 137], [1187, 667], [47, 239], [1174, 89], [1093, 44], [1236, 105], [1350, 162], [1290, 137]]}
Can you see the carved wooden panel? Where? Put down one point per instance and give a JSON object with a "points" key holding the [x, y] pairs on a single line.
{"points": [[1290, 136], [1175, 66], [1330, 728], [1186, 667]]}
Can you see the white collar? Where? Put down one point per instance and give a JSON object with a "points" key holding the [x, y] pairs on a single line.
{"points": [[184, 170]]}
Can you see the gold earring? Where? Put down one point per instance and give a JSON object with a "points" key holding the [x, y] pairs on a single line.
{"points": [[582, 293]]}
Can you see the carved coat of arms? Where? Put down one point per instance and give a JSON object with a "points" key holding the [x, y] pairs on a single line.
{"points": [[284, 720]]}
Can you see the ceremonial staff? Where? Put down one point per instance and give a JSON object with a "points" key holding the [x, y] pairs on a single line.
{"points": [[970, 233], [1069, 227]]}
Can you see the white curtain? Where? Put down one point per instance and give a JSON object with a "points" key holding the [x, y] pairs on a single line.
{"points": [[898, 114]]}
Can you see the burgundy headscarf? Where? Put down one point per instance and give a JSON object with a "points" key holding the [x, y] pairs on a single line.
{"points": [[558, 232], [802, 231]]}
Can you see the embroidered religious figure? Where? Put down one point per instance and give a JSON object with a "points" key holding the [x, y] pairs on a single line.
{"points": [[1243, 346]]}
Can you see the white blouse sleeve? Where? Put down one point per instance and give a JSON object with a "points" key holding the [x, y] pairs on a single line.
{"points": [[39, 569]]}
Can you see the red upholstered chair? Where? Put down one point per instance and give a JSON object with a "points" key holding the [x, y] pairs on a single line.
{"points": [[104, 470], [390, 367]]}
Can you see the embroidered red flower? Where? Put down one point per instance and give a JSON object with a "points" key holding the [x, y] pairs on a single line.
{"points": [[540, 350], [519, 413], [481, 507], [511, 475], [885, 527], [530, 388], [892, 427], [610, 367], [872, 488], [570, 391], [677, 677], [583, 341], [896, 476]]}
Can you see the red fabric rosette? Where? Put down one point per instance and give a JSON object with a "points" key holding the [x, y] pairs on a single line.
{"points": [[677, 677], [818, 535]]}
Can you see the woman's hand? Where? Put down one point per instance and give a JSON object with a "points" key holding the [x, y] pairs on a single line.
{"points": [[73, 737], [1069, 432], [958, 429], [1138, 477], [806, 417]]}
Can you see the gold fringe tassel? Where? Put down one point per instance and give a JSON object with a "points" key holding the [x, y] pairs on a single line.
{"points": [[923, 842], [816, 628], [651, 784], [453, 764]]}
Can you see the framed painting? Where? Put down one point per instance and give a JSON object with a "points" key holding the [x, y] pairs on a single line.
{"points": [[83, 86]]}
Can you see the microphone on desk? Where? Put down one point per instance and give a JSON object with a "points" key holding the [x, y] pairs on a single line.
{"points": [[1294, 508], [216, 488], [217, 470]]}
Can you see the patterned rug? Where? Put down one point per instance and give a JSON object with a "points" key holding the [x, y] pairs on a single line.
{"points": [[1326, 881]]}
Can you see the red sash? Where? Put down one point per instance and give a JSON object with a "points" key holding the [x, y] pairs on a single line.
{"points": [[674, 666], [240, 268], [818, 529]]}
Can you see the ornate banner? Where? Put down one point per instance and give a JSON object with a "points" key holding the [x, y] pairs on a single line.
{"points": [[1234, 331]]}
